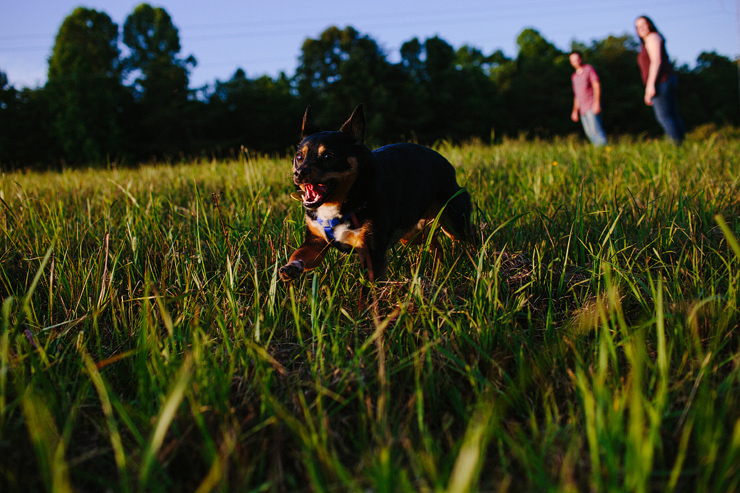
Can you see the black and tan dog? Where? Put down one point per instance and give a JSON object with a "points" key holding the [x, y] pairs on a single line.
{"points": [[365, 201]]}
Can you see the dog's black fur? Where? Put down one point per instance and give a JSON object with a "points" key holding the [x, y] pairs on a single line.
{"points": [[362, 200]]}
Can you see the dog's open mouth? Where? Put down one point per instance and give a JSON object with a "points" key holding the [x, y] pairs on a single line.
{"points": [[313, 194]]}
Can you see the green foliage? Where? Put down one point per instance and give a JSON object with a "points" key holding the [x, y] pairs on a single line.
{"points": [[711, 91], [152, 38], [242, 112], [87, 42], [450, 87], [84, 88], [539, 93], [342, 68], [24, 119], [162, 88], [589, 342]]}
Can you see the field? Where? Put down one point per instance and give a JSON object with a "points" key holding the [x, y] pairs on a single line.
{"points": [[590, 342]]}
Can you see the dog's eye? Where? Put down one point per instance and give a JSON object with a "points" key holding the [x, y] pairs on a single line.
{"points": [[328, 155], [299, 158]]}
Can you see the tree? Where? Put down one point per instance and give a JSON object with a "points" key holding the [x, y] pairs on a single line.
{"points": [[260, 114], [8, 117], [26, 136], [162, 86], [539, 98], [341, 69], [452, 95], [84, 87], [709, 92], [321, 62]]}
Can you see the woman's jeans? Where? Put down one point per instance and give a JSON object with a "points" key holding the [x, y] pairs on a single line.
{"points": [[592, 126], [666, 109]]}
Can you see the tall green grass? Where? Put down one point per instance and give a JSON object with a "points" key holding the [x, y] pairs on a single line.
{"points": [[588, 342]]}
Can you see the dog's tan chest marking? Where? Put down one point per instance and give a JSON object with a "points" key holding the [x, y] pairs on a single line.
{"points": [[343, 233], [352, 237]]}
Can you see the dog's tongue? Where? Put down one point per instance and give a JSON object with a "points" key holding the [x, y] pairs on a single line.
{"points": [[313, 192]]}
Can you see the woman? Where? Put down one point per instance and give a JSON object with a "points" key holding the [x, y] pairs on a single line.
{"points": [[659, 79]]}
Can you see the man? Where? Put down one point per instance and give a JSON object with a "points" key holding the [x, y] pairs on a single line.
{"points": [[587, 99]]}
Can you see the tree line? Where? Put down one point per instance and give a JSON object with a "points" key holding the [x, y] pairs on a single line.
{"points": [[99, 107]]}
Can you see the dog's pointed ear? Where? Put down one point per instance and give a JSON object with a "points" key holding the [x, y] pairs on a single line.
{"points": [[355, 126], [309, 126]]}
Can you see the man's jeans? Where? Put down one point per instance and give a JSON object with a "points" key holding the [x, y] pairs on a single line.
{"points": [[666, 109], [592, 126]]}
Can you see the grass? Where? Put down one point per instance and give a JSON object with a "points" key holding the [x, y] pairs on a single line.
{"points": [[590, 342]]}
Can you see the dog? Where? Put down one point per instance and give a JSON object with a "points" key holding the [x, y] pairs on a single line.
{"points": [[363, 201]]}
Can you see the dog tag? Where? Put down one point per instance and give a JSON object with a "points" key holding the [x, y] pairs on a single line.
{"points": [[297, 195]]}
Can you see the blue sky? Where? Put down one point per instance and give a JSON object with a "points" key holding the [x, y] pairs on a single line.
{"points": [[265, 37]]}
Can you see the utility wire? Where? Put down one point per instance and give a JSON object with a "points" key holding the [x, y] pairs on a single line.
{"points": [[409, 20]]}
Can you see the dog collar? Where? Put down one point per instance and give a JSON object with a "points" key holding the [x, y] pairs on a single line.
{"points": [[330, 224]]}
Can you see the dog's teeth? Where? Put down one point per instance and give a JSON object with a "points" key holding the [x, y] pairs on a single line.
{"points": [[310, 194]]}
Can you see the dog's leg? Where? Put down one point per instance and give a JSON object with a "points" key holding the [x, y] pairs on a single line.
{"points": [[419, 235], [375, 263], [308, 256]]}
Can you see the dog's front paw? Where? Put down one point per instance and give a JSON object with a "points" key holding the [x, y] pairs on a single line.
{"points": [[290, 271]]}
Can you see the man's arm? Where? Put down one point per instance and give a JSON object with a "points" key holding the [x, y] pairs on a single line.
{"points": [[574, 113]]}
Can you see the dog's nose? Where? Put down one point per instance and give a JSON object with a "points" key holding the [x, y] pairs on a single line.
{"points": [[302, 172]]}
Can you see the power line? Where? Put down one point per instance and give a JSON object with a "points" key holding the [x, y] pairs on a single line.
{"points": [[463, 18], [412, 21], [404, 19]]}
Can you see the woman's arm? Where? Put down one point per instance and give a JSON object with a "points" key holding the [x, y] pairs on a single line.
{"points": [[597, 96], [652, 46]]}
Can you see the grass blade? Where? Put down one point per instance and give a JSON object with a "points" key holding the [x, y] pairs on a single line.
{"points": [[166, 415]]}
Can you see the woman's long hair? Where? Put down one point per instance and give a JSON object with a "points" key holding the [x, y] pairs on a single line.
{"points": [[651, 27]]}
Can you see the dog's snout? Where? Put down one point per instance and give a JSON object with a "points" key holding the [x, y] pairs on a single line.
{"points": [[302, 172]]}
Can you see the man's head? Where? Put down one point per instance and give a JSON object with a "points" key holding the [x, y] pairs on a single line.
{"points": [[576, 59]]}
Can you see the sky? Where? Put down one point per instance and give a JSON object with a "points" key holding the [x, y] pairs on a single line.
{"points": [[265, 37]]}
